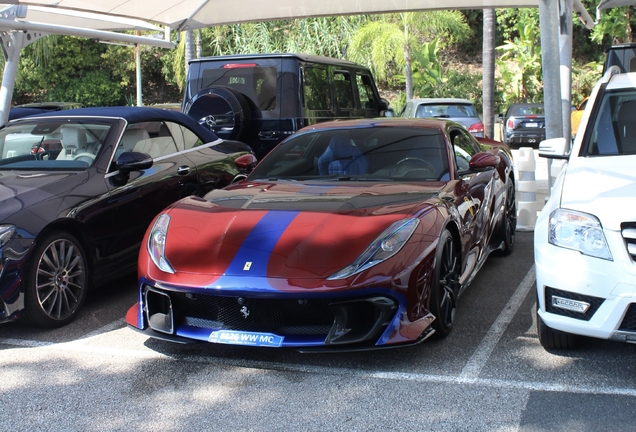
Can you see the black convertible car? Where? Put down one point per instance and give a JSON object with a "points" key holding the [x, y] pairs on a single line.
{"points": [[78, 188]]}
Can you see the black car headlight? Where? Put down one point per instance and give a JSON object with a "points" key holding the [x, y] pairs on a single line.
{"points": [[382, 248]]}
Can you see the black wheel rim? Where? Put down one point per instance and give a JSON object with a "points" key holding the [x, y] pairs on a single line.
{"points": [[60, 279], [448, 283]]}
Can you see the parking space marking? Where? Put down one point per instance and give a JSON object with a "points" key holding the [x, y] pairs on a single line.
{"points": [[481, 355], [147, 354]]}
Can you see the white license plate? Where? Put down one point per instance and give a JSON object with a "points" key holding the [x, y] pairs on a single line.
{"points": [[532, 125], [233, 337]]}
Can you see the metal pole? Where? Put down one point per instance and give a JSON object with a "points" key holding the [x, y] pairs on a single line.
{"points": [[549, 23], [548, 19], [12, 46], [565, 55], [138, 67]]}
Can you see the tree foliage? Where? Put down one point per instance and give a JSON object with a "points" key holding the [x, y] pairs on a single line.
{"points": [[520, 63], [64, 68]]}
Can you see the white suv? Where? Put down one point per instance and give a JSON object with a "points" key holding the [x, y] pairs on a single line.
{"points": [[585, 236]]}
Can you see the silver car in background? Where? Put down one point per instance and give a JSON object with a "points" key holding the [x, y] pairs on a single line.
{"points": [[461, 111]]}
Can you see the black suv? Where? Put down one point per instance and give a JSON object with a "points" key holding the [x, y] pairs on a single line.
{"points": [[261, 99], [623, 56]]}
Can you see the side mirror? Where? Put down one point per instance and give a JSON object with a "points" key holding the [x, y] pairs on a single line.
{"points": [[246, 162], [483, 161], [554, 148], [133, 161]]}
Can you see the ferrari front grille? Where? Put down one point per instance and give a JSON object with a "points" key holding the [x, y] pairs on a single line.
{"points": [[279, 316]]}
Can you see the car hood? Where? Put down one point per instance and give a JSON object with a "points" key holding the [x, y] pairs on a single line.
{"points": [[22, 189], [602, 186], [288, 231]]}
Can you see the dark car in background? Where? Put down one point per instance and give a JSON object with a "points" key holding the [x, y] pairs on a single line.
{"points": [[78, 189], [524, 124], [261, 99], [349, 235], [621, 55], [461, 111]]}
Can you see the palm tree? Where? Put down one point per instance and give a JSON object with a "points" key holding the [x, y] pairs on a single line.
{"points": [[389, 40]]}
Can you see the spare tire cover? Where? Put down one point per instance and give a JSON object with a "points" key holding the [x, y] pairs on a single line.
{"points": [[224, 110]]}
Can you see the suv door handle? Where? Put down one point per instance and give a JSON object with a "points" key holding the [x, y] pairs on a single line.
{"points": [[183, 170], [268, 134]]}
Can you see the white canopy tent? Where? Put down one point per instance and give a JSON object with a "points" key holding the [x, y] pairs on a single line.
{"points": [[21, 26], [193, 14]]}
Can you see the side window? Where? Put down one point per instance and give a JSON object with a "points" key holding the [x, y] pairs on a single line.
{"points": [[152, 138], [184, 138], [343, 89], [316, 88], [463, 147], [365, 88]]}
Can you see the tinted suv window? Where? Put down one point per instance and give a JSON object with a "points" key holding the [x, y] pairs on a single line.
{"points": [[365, 89], [615, 125], [343, 89], [256, 83], [316, 88]]}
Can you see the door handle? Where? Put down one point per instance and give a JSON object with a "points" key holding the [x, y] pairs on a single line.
{"points": [[183, 170], [268, 134]]}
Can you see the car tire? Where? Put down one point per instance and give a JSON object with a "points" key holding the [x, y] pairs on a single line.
{"points": [[509, 223], [56, 281], [445, 285], [551, 339], [224, 110]]}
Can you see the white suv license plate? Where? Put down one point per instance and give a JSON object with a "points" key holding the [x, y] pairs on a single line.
{"points": [[233, 337]]}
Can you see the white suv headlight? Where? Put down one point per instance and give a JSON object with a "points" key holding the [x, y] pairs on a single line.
{"points": [[578, 231]]}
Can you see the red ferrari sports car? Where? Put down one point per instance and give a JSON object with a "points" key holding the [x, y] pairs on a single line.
{"points": [[349, 235]]}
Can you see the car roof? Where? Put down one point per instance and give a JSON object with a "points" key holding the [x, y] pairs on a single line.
{"points": [[622, 80], [304, 57], [421, 101], [133, 115], [526, 105], [428, 123]]}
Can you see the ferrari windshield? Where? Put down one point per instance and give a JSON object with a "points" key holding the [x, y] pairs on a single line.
{"points": [[360, 153], [51, 144]]}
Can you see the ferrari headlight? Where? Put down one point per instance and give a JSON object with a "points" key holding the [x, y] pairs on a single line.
{"points": [[6, 232], [382, 248], [157, 243], [578, 231]]}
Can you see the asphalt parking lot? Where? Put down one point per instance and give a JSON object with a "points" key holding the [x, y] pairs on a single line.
{"points": [[489, 374]]}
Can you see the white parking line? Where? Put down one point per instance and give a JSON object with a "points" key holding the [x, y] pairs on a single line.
{"points": [[468, 376], [148, 354], [489, 342]]}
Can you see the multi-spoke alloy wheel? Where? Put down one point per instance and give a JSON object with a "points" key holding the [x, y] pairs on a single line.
{"points": [[445, 285], [56, 282]]}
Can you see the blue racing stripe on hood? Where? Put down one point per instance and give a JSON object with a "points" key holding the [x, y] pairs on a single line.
{"points": [[253, 255]]}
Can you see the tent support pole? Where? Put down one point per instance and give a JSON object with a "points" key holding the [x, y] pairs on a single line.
{"points": [[12, 44]]}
